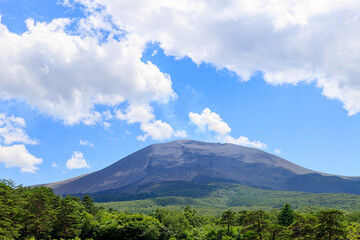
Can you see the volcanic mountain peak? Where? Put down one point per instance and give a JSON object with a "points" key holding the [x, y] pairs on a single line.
{"points": [[181, 149], [194, 161]]}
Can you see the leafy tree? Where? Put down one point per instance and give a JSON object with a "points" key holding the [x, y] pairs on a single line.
{"points": [[175, 221], [228, 219], [68, 219], [303, 227], [240, 217], [286, 216], [40, 205], [89, 204], [124, 226], [330, 225], [353, 230], [9, 211], [278, 232], [89, 225], [191, 216], [353, 217], [144, 228], [216, 233], [258, 223]]}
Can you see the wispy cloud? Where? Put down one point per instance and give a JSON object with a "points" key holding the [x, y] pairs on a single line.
{"points": [[86, 143]]}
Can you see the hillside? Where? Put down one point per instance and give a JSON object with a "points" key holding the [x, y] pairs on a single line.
{"points": [[237, 197]]}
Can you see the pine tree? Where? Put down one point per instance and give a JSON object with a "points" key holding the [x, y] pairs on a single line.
{"points": [[228, 218], [286, 216], [303, 227], [240, 217], [330, 225], [258, 222]]}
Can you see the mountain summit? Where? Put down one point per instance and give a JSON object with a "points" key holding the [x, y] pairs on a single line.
{"points": [[199, 162]]}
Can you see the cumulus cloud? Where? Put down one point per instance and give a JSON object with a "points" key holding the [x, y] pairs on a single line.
{"points": [[289, 41], [211, 121], [18, 156], [277, 151], [12, 130], [156, 129], [86, 143], [65, 76], [136, 113], [159, 130], [13, 152], [77, 161]]}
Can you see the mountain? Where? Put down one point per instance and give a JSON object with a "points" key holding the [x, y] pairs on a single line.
{"points": [[187, 163]]}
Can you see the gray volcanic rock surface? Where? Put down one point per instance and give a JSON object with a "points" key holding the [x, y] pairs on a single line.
{"points": [[194, 161]]}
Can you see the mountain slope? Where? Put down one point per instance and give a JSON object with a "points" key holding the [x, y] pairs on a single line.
{"points": [[193, 161], [222, 196]]}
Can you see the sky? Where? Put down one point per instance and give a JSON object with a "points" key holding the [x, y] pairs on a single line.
{"points": [[84, 83]]}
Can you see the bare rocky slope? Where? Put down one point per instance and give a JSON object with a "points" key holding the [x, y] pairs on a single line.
{"points": [[197, 162]]}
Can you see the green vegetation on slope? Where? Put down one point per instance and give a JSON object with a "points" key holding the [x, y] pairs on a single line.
{"points": [[221, 196]]}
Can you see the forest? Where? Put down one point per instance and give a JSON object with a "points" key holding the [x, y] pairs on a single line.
{"points": [[214, 198], [38, 213]]}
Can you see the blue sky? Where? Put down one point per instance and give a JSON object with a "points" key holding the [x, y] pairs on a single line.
{"points": [[85, 83]]}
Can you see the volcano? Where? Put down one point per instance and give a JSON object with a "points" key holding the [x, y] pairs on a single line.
{"points": [[195, 162]]}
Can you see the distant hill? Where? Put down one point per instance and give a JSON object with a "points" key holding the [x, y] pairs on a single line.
{"points": [[195, 162]]}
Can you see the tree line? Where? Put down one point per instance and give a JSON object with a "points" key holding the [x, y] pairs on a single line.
{"points": [[38, 213]]}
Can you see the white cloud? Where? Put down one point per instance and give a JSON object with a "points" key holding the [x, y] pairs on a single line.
{"points": [[136, 113], [211, 120], [12, 130], [154, 53], [13, 152], [289, 41], [215, 124], [107, 115], [107, 125], [65, 76], [180, 134], [18, 156], [159, 130], [144, 114], [277, 151], [76, 161], [86, 143], [244, 141], [54, 164]]}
